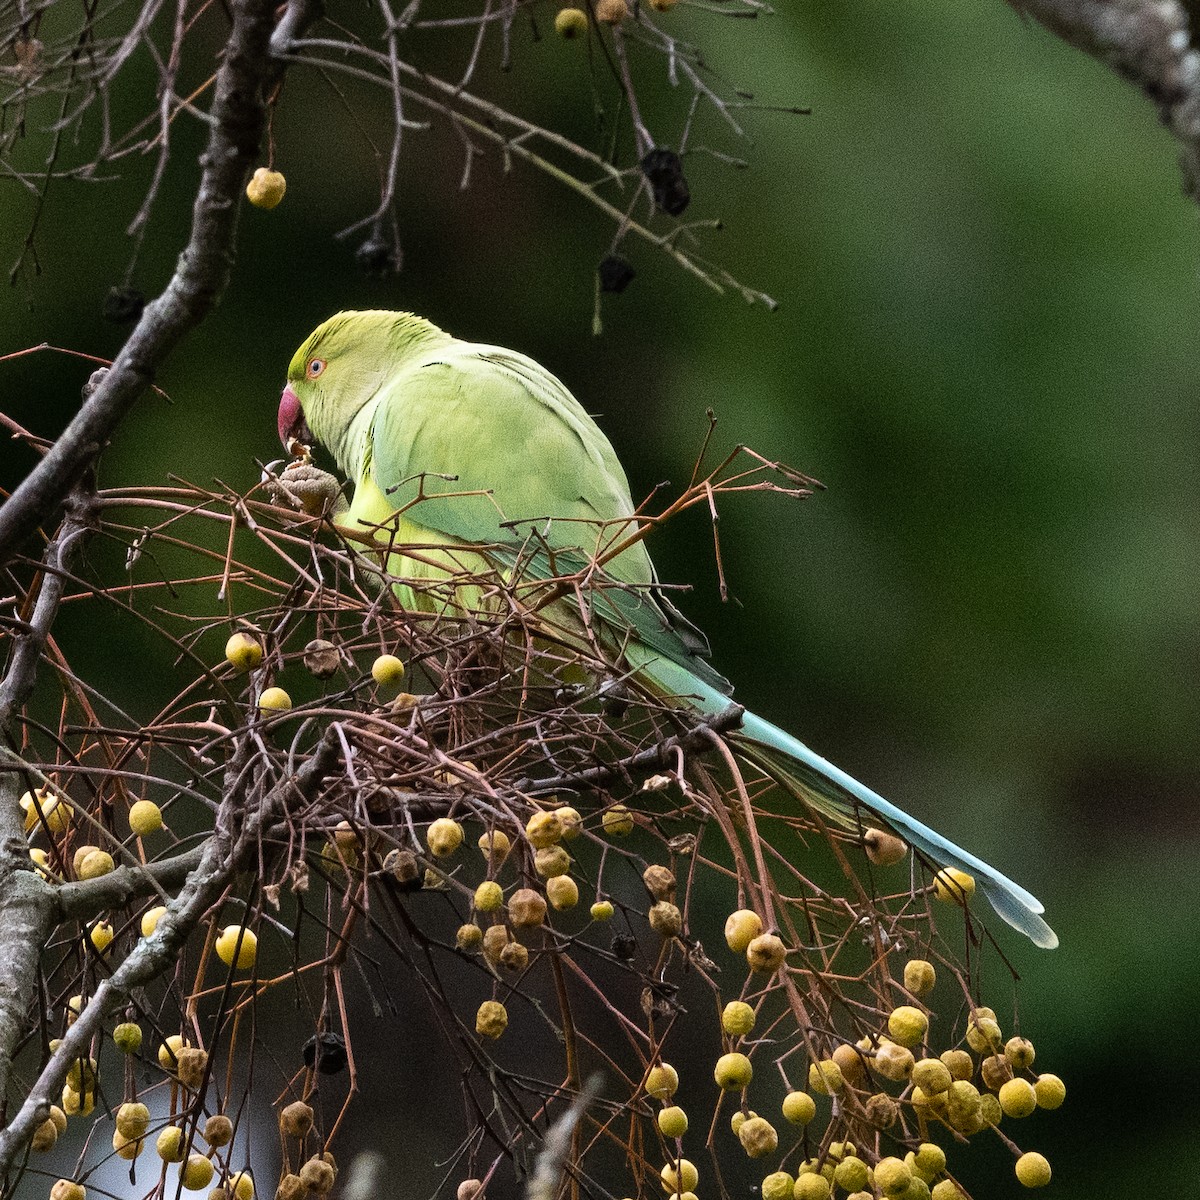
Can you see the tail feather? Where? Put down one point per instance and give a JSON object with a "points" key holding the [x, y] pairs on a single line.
{"points": [[841, 798]]}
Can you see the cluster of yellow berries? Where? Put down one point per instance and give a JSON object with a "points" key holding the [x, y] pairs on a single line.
{"points": [[967, 1090]]}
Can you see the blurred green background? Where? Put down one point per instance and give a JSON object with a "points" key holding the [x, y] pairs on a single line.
{"points": [[985, 349]]}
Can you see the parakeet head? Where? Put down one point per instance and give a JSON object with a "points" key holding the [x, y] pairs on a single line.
{"points": [[340, 366]]}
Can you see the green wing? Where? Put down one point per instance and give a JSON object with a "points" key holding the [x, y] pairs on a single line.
{"points": [[520, 464]]}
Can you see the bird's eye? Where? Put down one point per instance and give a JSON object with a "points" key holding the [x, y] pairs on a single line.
{"points": [[315, 367]]}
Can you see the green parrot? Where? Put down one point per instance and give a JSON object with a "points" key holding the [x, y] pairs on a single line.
{"points": [[464, 454]]}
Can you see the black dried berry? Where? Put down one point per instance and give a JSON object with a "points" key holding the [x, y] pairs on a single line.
{"points": [[332, 1053], [615, 273], [663, 169]]}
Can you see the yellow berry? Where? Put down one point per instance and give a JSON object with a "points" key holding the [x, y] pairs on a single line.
{"points": [[145, 818], [989, 1109], [168, 1052], [551, 861], [387, 670], [45, 1136], [241, 1186], [489, 896], [169, 1144], [68, 1189], [851, 1174], [907, 1025], [150, 919], [468, 937], [733, 1072], [959, 1063], [617, 821], [562, 892], [672, 1121], [1032, 1170], [197, 1173], [237, 942], [766, 953], [893, 1061], [494, 845], [44, 805], [777, 1186], [661, 1081], [983, 1035], [243, 652], [799, 1108], [930, 1159], [77, 1103], [738, 1119], [962, 1105], [738, 1018], [758, 1137], [825, 1077], [920, 978], [492, 1019], [133, 1119], [884, 849], [101, 935], [892, 1176], [59, 1118], [663, 5], [128, 1037], [1019, 1051], [266, 188], [811, 1186], [679, 1178], [611, 12], [273, 699], [953, 885], [741, 928], [946, 1189], [544, 829], [444, 837], [932, 1076], [602, 910], [1050, 1091], [572, 822], [95, 864], [850, 1063], [570, 23]]}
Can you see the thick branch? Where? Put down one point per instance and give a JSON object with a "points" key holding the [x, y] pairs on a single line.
{"points": [[1146, 42], [221, 859], [200, 276]]}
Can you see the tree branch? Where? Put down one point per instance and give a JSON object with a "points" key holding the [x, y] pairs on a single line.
{"points": [[238, 114], [221, 858], [1147, 42]]}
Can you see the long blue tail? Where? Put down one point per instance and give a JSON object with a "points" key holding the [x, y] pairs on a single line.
{"points": [[837, 796]]}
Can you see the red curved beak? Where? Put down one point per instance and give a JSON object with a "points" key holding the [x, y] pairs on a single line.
{"points": [[291, 424]]}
